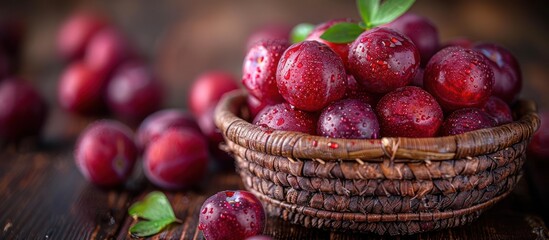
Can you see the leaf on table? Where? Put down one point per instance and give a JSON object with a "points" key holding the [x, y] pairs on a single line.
{"points": [[157, 212]]}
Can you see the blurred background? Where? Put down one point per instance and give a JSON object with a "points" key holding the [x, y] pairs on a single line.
{"points": [[182, 39]]}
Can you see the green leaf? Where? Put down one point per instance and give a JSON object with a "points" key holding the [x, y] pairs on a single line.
{"points": [[390, 10], [148, 228], [342, 32], [367, 9], [157, 211], [155, 206], [301, 31]]}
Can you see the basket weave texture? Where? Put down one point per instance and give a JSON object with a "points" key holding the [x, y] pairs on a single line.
{"points": [[394, 186]]}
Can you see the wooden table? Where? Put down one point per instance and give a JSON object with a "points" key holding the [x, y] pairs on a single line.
{"points": [[43, 196]]}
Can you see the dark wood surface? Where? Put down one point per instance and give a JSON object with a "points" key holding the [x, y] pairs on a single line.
{"points": [[43, 196]]}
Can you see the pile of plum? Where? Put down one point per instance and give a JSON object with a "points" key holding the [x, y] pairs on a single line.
{"points": [[395, 80]]}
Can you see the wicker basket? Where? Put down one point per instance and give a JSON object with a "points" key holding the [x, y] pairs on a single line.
{"points": [[394, 186]]}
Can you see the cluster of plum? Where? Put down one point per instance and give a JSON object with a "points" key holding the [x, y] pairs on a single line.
{"points": [[174, 144], [104, 72], [396, 80]]}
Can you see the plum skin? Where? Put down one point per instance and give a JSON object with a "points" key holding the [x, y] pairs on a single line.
{"points": [[382, 60], [466, 120], [284, 117], [310, 75], [133, 92], [23, 111], [348, 118], [231, 215], [178, 159], [207, 90], [159, 122], [106, 153], [459, 78], [259, 69], [409, 112], [81, 89], [76, 32]]}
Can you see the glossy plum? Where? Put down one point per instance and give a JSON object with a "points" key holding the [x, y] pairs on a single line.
{"points": [[208, 89], [459, 78], [310, 75], [229, 215], [421, 31], [159, 122], [259, 69], [409, 112], [383, 60], [106, 153], [134, 92], [348, 118], [342, 49], [499, 110], [507, 73], [282, 116], [23, 111], [81, 89], [178, 159], [466, 120], [76, 32]]}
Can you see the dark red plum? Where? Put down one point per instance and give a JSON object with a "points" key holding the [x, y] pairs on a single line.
{"points": [[159, 122], [310, 75], [421, 31], [342, 49], [269, 32], [466, 120], [507, 73], [383, 60], [178, 159], [409, 112], [283, 117], [76, 32], [229, 215], [105, 153], [107, 50], [539, 146], [499, 110], [81, 89], [259, 69], [23, 111], [459, 78], [134, 92], [208, 89], [348, 118]]}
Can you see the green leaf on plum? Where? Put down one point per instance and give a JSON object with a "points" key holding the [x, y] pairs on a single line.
{"points": [[368, 10], [342, 32]]}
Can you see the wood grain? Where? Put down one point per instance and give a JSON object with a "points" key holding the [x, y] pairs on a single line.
{"points": [[42, 196]]}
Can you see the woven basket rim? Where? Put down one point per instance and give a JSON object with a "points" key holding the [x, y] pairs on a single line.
{"points": [[296, 145]]}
